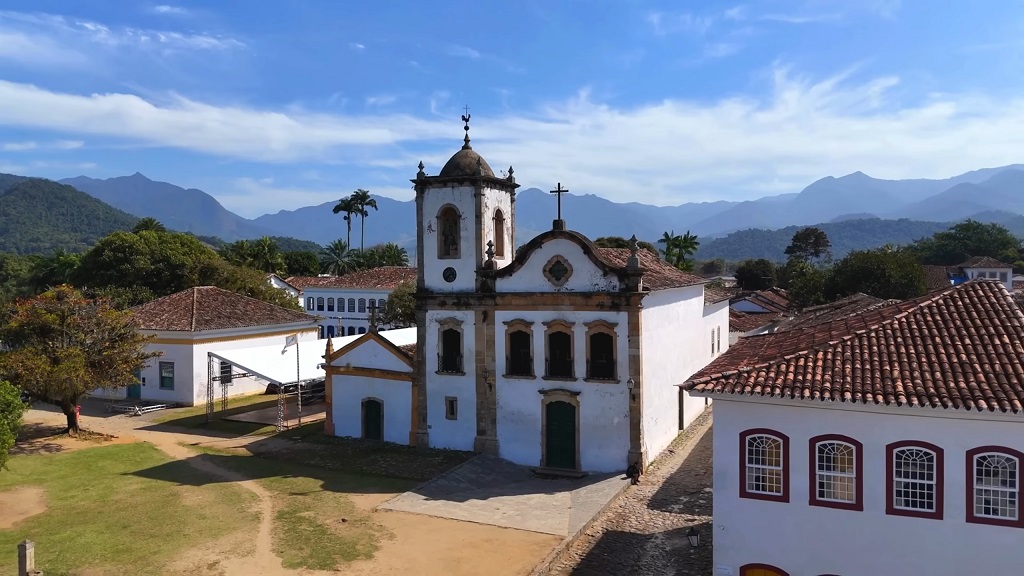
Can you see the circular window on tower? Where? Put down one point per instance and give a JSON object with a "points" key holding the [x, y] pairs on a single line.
{"points": [[449, 274], [558, 271]]}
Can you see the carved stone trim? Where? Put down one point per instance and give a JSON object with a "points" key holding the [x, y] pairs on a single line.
{"points": [[557, 270]]}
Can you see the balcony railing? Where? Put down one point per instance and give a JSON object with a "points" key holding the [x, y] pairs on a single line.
{"points": [[522, 367], [559, 368], [602, 370], [450, 364]]}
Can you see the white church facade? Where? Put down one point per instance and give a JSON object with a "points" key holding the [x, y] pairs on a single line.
{"points": [[560, 355]]}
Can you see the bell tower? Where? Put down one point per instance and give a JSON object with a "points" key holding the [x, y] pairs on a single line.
{"points": [[458, 213]]}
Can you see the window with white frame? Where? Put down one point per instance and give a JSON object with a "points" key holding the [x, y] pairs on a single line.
{"points": [[835, 481], [995, 489], [765, 455], [914, 480]]}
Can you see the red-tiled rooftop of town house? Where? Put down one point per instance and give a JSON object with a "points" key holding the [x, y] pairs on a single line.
{"points": [[984, 262], [960, 348], [658, 274], [212, 308], [747, 321], [382, 278]]}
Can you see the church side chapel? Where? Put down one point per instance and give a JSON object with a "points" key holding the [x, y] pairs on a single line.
{"points": [[558, 355]]}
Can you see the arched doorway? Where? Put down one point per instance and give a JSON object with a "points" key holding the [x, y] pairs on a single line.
{"points": [[373, 419], [330, 331], [560, 435], [761, 570]]}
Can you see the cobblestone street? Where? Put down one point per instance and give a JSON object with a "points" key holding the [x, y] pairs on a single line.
{"points": [[644, 533]]}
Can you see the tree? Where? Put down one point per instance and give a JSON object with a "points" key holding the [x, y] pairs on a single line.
{"points": [[238, 253], [679, 248], [714, 267], [400, 310], [149, 224], [60, 346], [757, 274], [245, 281], [337, 258], [620, 242], [885, 272], [363, 201], [804, 284], [349, 207], [11, 410], [808, 244], [15, 275], [266, 257], [301, 263], [54, 270], [966, 239], [390, 254]]}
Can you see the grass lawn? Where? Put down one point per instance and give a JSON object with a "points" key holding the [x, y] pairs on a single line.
{"points": [[195, 416], [121, 509], [316, 524]]}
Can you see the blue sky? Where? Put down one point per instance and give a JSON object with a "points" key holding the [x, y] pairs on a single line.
{"points": [[275, 105]]}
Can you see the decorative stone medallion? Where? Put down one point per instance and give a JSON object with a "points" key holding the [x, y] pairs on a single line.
{"points": [[558, 271], [449, 274]]}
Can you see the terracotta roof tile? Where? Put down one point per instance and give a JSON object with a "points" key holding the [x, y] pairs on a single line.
{"points": [[658, 274], [984, 262], [409, 350], [212, 308], [714, 294], [772, 300], [747, 321], [1018, 285], [961, 348], [854, 304], [382, 278], [937, 277]]}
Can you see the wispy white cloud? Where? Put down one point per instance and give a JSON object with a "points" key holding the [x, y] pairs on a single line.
{"points": [[721, 49], [170, 10], [33, 145], [50, 39], [251, 197], [799, 131], [462, 52], [801, 18], [672, 23], [18, 146], [357, 46], [437, 99], [381, 100]]}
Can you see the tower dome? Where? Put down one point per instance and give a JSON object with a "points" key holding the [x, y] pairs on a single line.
{"points": [[466, 162]]}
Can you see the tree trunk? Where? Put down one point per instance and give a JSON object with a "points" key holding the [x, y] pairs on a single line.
{"points": [[348, 238], [72, 415], [362, 232]]}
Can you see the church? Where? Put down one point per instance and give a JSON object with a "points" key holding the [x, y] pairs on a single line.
{"points": [[560, 354]]}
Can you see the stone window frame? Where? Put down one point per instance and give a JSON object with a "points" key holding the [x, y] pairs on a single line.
{"points": [[603, 327], [971, 480], [499, 233], [745, 491], [557, 395], [813, 470], [451, 323], [551, 261], [559, 325], [441, 255], [938, 482], [519, 325], [451, 408]]}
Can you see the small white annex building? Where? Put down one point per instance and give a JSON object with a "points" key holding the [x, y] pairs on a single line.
{"points": [[188, 326], [560, 354], [889, 441], [281, 284], [345, 303]]}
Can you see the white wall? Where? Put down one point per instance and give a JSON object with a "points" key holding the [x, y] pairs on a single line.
{"points": [[457, 434], [676, 330], [586, 277], [462, 198], [604, 407], [491, 201], [348, 394], [993, 274], [803, 539]]}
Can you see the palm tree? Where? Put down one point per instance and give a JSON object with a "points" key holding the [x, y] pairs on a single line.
{"points": [[669, 239], [266, 256], [685, 247], [239, 253], [349, 207], [336, 258], [149, 224], [363, 200], [391, 254]]}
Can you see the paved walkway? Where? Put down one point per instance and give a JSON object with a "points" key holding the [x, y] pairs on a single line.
{"points": [[489, 490], [644, 533]]}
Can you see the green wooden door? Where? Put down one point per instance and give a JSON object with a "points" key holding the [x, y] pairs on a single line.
{"points": [[560, 440], [134, 391], [373, 420]]}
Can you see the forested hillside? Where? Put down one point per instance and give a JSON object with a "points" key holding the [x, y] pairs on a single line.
{"points": [[40, 216], [846, 236]]}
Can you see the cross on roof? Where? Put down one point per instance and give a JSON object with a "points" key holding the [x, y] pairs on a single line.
{"points": [[558, 191]]}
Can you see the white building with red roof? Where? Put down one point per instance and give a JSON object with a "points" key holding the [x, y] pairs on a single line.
{"points": [[886, 441], [559, 355], [345, 303]]}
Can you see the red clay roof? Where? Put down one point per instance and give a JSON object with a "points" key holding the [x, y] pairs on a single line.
{"points": [[658, 274], [747, 321], [714, 294], [212, 308], [984, 262], [937, 277], [822, 313], [382, 278], [961, 348], [772, 299], [409, 350]]}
